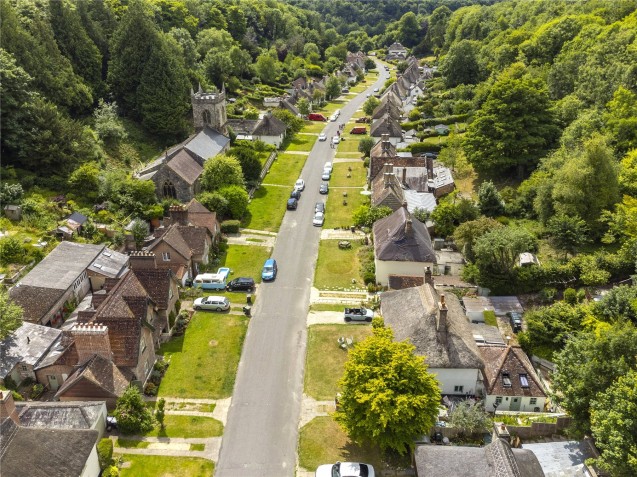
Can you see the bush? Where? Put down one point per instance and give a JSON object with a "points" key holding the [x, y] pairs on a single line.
{"points": [[171, 319], [10, 384], [420, 147], [105, 453], [111, 471], [570, 296], [150, 389], [369, 278], [16, 395], [161, 366], [36, 391], [133, 417], [230, 226], [178, 306]]}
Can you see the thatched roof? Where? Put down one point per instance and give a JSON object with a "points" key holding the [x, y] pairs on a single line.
{"points": [[399, 237]]}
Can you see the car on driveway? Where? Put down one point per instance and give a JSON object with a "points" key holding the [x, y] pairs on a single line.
{"points": [[358, 314], [319, 218], [326, 176], [324, 188], [322, 137], [216, 303], [345, 469], [319, 207], [295, 194], [241, 283], [299, 184], [292, 203]]}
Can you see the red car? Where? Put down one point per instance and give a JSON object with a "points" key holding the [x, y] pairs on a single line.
{"points": [[358, 130], [316, 117]]}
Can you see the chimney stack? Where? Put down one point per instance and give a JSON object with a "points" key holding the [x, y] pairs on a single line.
{"points": [[178, 214], [442, 320], [384, 138], [430, 166], [7, 407], [142, 260], [91, 339], [409, 231], [386, 179], [404, 175], [429, 279]]}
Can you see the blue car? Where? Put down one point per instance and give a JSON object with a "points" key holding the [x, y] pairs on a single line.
{"points": [[269, 270]]}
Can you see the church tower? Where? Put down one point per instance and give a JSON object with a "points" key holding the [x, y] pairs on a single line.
{"points": [[209, 109]]}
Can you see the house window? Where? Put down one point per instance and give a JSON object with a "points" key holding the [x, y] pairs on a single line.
{"points": [[498, 400], [24, 367], [458, 389], [524, 381], [506, 380], [142, 345], [169, 190], [165, 256], [533, 401]]}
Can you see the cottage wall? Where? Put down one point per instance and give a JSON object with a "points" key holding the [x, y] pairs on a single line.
{"points": [[384, 268], [450, 379], [173, 258], [147, 357], [92, 466], [508, 403], [272, 140], [85, 390], [60, 373], [183, 190]]}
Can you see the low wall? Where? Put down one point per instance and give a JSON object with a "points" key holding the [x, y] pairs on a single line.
{"points": [[540, 429]]}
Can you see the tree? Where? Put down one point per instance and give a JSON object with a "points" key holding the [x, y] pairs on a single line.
{"points": [[237, 199], [628, 174], [108, 126], [11, 251], [249, 160], [490, 202], [267, 68], [140, 231], [133, 417], [214, 202], [303, 105], [567, 232], [332, 87], [460, 64], [370, 105], [366, 215], [467, 233], [409, 30], [388, 398], [160, 413], [451, 212], [10, 315], [621, 119], [614, 425], [515, 125], [365, 145], [85, 181], [221, 171], [589, 365], [470, 418], [620, 303], [293, 123]]}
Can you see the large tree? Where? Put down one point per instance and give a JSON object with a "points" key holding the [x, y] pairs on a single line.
{"points": [[515, 125], [133, 417], [389, 398], [10, 315], [221, 171], [460, 64], [490, 201]]}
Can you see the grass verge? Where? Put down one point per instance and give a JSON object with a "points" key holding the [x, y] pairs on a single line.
{"points": [[302, 143], [340, 170], [131, 443], [286, 170], [336, 268], [339, 209], [267, 208], [160, 466], [245, 261], [187, 426]]}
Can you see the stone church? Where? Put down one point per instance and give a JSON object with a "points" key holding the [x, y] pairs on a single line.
{"points": [[176, 173]]}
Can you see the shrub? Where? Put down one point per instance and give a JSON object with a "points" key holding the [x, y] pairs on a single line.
{"points": [[111, 471], [230, 226], [133, 417], [171, 319], [547, 295], [105, 452], [420, 147], [369, 278], [570, 296], [178, 306], [150, 389], [161, 366], [9, 383], [36, 391], [16, 395]]}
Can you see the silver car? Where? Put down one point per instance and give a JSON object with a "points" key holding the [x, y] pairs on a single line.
{"points": [[318, 220], [215, 303]]}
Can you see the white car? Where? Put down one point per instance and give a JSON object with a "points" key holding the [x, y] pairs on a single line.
{"points": [[328, 167], [333, 117], [375, 90], [345, 469], [299, 185], [216, 303], [319, 218], [322, 137], [326, 176], [336, 139]]}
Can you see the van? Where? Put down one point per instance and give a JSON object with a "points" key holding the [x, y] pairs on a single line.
{"points": [[316, 117], [358, 130], [212, 281], [269, 270]]}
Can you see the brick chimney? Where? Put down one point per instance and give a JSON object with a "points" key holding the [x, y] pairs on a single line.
{"points": [[386, 180], [409, 230], [430, 166], [91, 339], [385, 144], [7, 407], [142, 260], [178, 214], [442, 320], [429, 276], [404, 175]]}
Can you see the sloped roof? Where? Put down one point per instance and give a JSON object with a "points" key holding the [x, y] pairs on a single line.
{"points": [[28, 344], [243, 126], [195, 237], [35, 301], [59, 415], [391, 97], [200, 216], [44, 452], [110, 263], [77, 218], [513, 361], [101, 372], [386, 125], [388, 109], [173, 238], [157, 284], [400, 282], [207, 143], [390, 195], [413, 313], [270, 126], [393, 242], [286, 104], [185, 166]]}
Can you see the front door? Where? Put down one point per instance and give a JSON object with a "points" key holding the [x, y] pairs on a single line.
{"points": [[53, 382], [515, 404]]}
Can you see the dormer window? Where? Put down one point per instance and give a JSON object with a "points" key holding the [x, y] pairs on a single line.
{"points": [[506, 380], [524, 381]]}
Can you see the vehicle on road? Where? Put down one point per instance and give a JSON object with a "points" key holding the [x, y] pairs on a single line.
{"points": [[324, 188], [516, 321], [328, 167], [214, 303], [345, 469], [375, 90], [295, 194], [358, 314], [316, 117], [336, 139], [326, 176], [358, 130], [299, 184], [269, 270], [319, 207], [322, 137], [319, 218], [333, 118], [292, 203], [242, 284], [212, 281], [367, 95]]}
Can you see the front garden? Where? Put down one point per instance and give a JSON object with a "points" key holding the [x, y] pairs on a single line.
{"points": [[161, 466], [336, 268]]}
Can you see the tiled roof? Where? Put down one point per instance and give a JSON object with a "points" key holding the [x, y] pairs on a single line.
{"points": [[101, 372], [511, 361], [394, 242], [195, 237], [400, 282], [184, 165], [173, 238], [202, 217], [157, 283], [35, 301]]}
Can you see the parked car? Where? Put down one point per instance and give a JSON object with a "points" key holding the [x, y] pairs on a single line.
{"points": [[375, 90], [318, 219], [328, 167], [336, 139], [212, 281], [358, 314], [316, 117], [345, 90], [516, 321], [345, 469], [241, 283], [216, 303], [322, 137], [295, 194], [299, 184], [324, 188], [292, 203], [319, 207], [326, 176], [333, 117], [358, 130], [269, 270]]}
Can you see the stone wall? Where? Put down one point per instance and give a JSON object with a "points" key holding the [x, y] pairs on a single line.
{"points": [[540, 429]]}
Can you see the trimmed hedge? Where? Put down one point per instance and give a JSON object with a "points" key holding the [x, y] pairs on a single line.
{"points": [[419, 147], [447, 120], [105, 452], [230, 226]]}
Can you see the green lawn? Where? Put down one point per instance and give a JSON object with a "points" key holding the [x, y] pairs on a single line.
{"points": [[197, 447], [332, 106], [349, 144], [326, 307], [245, 260], [490, 319], [302, 143], [323, 441], [340, 215], [267, 208], [336, 268], [203, 362], [286, 169], [314, 127], [187, 426], [160, 466], [358, 174], [325, 361]]}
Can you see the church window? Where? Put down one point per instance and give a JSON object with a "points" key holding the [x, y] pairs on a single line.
{"points": [[169, 190]]}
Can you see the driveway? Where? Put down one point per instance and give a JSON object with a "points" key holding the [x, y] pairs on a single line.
{"points": [[261, 435]]}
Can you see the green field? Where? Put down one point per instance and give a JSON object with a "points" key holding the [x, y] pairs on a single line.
{"points": [[356, 171], [286, 169], [302, 143], [267, 208], [339, 209]]}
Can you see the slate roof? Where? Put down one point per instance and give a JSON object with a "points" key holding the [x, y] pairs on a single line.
{"points": [[386, 125], [59, 415], [101, 372], [185, 166], [412, 314], [496, 459], [393, 242], [207, 143], [270, 126], [28, 344], [77, 218], [110, 263], [44, 452], [513, 361]]}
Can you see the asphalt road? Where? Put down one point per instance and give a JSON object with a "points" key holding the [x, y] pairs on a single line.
{"points": [[260, 438]]}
